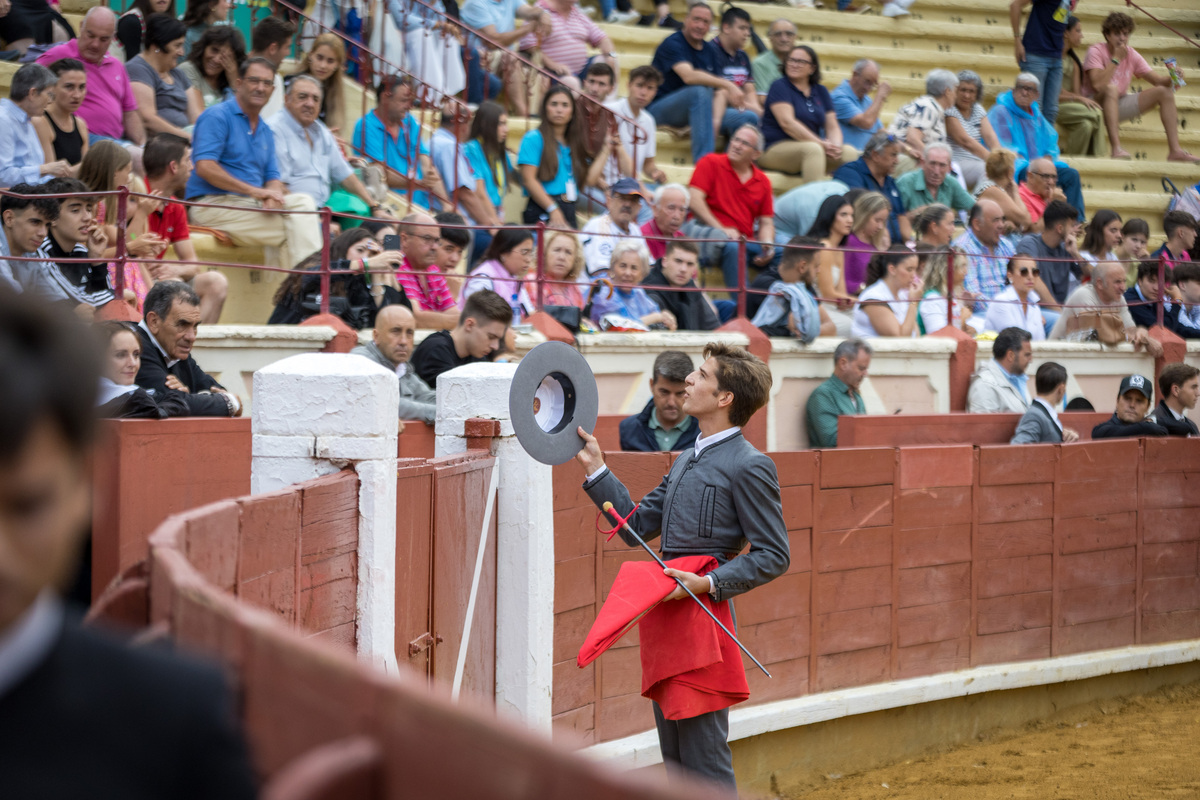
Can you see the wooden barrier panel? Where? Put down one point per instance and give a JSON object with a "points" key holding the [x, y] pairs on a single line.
{"points": [[299, 698], [146, 470], [897, 430], [440, 504], [915, 560]]}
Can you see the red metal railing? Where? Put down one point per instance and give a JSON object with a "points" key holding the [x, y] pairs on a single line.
{"points": [[121, 258], [1175, 31]]}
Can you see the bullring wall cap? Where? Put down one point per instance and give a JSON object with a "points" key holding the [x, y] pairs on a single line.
{"points": [[1137, 383], [553, 391]]}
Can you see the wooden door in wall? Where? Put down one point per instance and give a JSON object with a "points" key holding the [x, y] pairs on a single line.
{"points": [[440, 508]]}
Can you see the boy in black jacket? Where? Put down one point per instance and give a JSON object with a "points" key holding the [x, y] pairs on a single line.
{"points": [[1178, 386], [1130, 418]]}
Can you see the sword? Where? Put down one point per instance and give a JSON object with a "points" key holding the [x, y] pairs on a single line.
{"points": [[624, 523]]}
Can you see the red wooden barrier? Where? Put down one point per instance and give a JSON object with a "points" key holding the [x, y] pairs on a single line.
{"points": [[147, 470], [916, 560], [302, 702], [897, 430]]}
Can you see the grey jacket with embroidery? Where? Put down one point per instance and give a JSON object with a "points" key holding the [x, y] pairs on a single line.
{"points": [[417, 400], [712, 504]]}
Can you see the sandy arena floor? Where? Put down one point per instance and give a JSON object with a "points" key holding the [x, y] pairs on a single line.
{"points": [[1144, 747]]}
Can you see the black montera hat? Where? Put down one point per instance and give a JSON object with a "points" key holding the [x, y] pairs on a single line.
{"points": [[552, 393]]}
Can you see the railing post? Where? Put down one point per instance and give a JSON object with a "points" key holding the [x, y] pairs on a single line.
{"points": [[119, 244], [1162, 285], [949, 288], [541, 263], [741, 280], [326, 278]]}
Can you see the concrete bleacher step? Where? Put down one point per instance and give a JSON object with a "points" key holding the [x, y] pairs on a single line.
{"points": [[988, 13]]}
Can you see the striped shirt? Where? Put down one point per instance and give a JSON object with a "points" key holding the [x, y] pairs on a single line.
{"points": [[434, 296], [568, 39], [985, 268]]}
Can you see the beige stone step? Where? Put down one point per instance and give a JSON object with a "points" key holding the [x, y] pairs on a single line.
{"points": [[987, 13]]}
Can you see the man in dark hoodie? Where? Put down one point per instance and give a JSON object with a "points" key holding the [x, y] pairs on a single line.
{"points": [[1130, 419], [677, 270], [663, 424]]}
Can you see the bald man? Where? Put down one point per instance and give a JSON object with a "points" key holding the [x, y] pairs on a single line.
{"points": [[434, 303], [109, 107], [391, 345]]}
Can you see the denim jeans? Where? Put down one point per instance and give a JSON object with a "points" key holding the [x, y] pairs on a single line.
{"points": [[477, 79], [692, 106], [1049, 71]]}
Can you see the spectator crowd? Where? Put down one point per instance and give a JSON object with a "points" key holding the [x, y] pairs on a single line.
{"points": [[954, 214]]}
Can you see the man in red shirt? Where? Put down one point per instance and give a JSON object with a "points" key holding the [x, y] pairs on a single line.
{"points": [[1038, 189], [168, 162], [729, 194]]}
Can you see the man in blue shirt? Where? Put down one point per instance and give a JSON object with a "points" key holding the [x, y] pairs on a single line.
{"points": [[233, 149], [391, 136], [450, 159], [310, 161], [873, 172], [21, 157], [687, 95], [857, 113]]}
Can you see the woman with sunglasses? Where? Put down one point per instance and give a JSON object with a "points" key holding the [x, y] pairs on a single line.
{"points": [[799, 124], [1016, 306]]}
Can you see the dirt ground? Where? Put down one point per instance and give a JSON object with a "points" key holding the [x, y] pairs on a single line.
{"points": [[1141, 747]]}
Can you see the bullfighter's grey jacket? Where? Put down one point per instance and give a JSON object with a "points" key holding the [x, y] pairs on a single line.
{"points": [[712, 504]]}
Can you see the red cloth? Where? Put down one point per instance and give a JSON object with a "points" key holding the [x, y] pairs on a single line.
{"points": [[689, 667]]}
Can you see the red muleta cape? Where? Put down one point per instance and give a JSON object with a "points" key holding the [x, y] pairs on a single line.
{"points": [[689, 667]]}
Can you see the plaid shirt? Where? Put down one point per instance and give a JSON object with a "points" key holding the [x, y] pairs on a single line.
{"points": [[985, 276], [437, 298]]}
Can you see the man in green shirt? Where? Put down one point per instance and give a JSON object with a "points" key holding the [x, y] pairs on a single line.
{"points": [[663, 425], [768, 67], [932, 183], [839, 394]]}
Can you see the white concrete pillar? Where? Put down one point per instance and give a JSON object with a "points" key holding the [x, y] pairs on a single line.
{"points": [[524, 540], [315, 414]]}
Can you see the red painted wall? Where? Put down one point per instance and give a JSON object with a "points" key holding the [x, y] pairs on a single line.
{"points": [[912, 561], [317, 720]]}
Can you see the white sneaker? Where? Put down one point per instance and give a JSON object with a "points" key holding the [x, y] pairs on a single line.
{"points": [[905, 4], [624, 16], [894, 10]]}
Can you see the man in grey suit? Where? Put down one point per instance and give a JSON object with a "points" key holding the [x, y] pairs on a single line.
{"points": [[718, 496], [1041, 423], [391, 346]]}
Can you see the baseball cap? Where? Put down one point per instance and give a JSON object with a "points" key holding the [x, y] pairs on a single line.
{"points": [[628, 186], [1137, 383]]}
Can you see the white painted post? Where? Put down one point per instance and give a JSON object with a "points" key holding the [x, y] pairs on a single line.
{"points": [[315, 414], [524, 540]]}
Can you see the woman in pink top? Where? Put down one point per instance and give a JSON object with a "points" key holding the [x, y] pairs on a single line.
{"points": [[507, 259], [868, 237], [1109, 67]]}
